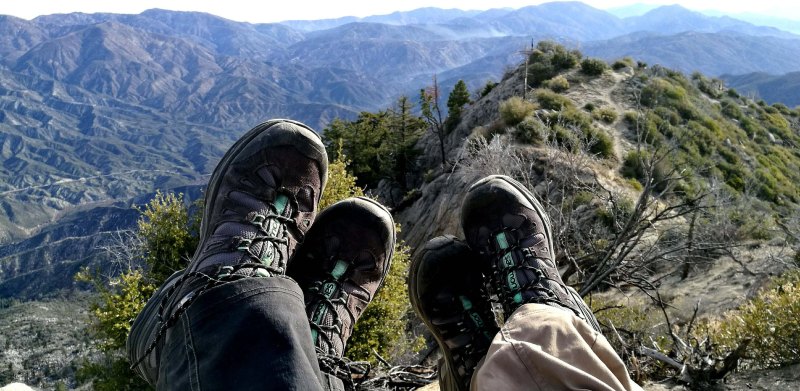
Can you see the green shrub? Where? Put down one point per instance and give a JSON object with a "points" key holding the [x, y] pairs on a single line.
{"points": [[731, 109], [605, 114], [488, 87], [531, 131], [572, 117], [557, 84], [631, 117], [589, 106], [515, 109], [593, 66], [770, 321], [565, 138], [552, 101], [635, 166], [539, 72], [602, 144], [635, 184], [625, 62], [547, 60], [668, 115], [781, 108]]}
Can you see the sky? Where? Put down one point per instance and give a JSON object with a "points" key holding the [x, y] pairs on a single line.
{"points": [[275, 11]]}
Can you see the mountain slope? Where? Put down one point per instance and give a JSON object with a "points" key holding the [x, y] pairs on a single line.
{"points": [[709, 53], [773, 89], [97, 109]]}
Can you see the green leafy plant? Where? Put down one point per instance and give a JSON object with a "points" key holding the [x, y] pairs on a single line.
{"points": [[605, 114], [593, 66], [557, 84], [770, 322], [515, 109]]}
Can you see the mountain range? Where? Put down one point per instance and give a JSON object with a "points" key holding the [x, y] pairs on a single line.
{"points": [[99, 110]]}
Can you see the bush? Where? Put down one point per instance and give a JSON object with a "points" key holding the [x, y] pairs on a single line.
{"points": [[602, 145], [634, 165], [515, 109], [731, 109], [625, 62], [531, 131], [593, 66], [168, 236], [557, 84], [552, 101], [488, 87], [548, 59], [605, 114], [770, 321]]}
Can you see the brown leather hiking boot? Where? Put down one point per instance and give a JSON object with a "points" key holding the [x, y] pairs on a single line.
{"points": [[447, 292], [340, 267], [262, 198], [505, 223]]}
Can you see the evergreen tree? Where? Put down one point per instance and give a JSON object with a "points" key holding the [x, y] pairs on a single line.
{"points": [[404, 130], [455, 103], [378, 145]]}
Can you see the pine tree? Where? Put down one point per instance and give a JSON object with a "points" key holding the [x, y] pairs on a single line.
{"points": [[455, 103]]}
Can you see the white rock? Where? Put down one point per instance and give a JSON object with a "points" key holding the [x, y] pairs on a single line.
{"points": [[16, 387]]}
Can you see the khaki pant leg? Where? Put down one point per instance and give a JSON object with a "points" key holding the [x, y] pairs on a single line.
{"points": [[545, 348]]}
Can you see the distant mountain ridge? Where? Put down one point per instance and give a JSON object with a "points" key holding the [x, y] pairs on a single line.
{"points": [[773, 89], [97, 110]]}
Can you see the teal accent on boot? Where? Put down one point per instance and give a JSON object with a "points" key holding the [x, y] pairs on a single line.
{"points": [[502, 241], [280, 203], [339, 269]]}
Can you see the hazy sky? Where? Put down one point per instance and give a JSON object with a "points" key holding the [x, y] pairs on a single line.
{"points": [[273, 11]]}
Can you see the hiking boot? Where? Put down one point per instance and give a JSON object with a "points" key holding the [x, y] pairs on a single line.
{"points": [[505, 223], [340, 267], [447, 292], [261, 199]]}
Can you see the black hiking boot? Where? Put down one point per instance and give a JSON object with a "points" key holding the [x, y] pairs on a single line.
{"points": [[505, 223], [260, 201], [262, 198], [340, 267], [447, 292]]}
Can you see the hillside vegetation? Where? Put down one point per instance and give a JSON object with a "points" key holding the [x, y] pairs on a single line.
{"points": [[665, 189]]}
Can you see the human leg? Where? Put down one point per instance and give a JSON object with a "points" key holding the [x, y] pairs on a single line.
{"points": [[233, 317], [542, 347], [550, 340]]}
